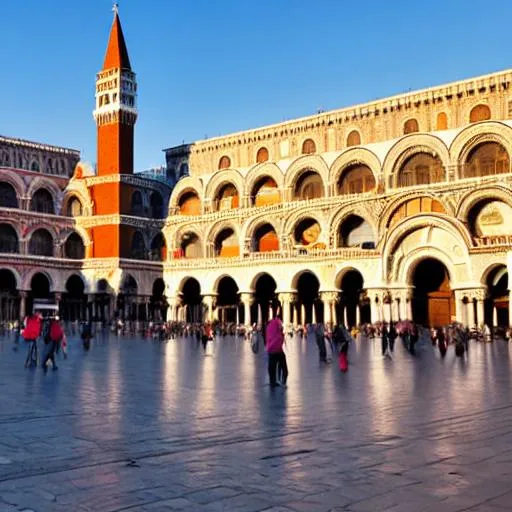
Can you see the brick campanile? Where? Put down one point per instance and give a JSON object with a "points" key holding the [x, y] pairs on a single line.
{"points": [[115, 115]]}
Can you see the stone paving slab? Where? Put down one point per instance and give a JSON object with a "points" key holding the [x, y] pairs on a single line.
{"points": [[134, 425]]}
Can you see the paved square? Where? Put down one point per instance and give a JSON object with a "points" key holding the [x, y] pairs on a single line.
{"points": [[137, 425]]}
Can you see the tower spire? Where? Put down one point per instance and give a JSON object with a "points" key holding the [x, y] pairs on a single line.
{"points": [[117, 54]]}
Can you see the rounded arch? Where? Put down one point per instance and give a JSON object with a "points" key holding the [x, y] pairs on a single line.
{"points": [[265, 238], [253, 223], [472, 198], [41, 243], [411, 126], [409, 146], [267, 169], [14, 180], [138, 250], [42, 201], [419, 204], [156, 204], [129, 285], [472, 136], [354, 138], [158, 248], [297, 216], [226, 243], [74, 247], [224, 162], [8, 196], [497, 303], [218, 227], [191, 299], [442, 121], [190, 245], [308, 147], [355, 231], [307, 285], [226, 288], [48, 184], [40, 285], [313, 163], [186, 184], [9, 241], [480, 112], [353, 157], [136, 204], [356, 179], [295, 279], [486, 159], [9, 278], [73, 206], [262, 155], [218, 180], [265, 192]]}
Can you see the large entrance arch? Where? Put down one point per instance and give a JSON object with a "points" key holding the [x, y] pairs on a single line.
{"points": [[192, 301], [39, 289], [227, 300], [265, 299], [9, 296], [310, 308], [433, 302], [74, 300], [127, 299], [353, 309]]}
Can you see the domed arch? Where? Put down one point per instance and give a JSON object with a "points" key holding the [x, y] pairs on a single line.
{"points": [[264, 238], [253, 223], [8, 195], [74, 246], [15, 274], [343, 215], [41, 243], [302, 164], [297, 216], [472, 198], [352, 157], [474, 135], [28, 279], [219, 180], [436, 206], [259, 171], [15, 181], [295, 279], [9, 239], [218, 227], [190, 244], [73, 206], [408, 147], [42, 201], [41, 225], [184, 185], [52, 187]]}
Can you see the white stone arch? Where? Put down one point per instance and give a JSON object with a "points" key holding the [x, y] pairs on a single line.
{"points": [[184, 185], [252, 280], [395, 203], [344, 268], [183, 281], [215, 230], [15, 273], [51, 275], [215, 281], [472, 198], [408, 146], [70, 194], [253, 223], [475, 134], [339, 216], [289, 222], [426, 236], [223, 177], [355, 155], [492, 266], [262, 170], [16, 182], [307, 163], [51, 186], [79, 230], [294, 282], [42, 225]]}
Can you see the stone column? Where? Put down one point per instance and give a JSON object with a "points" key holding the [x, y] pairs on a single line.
{"points": [[286, 299], [471, 313], [460, 307], [209, 302], [23, 305], [329, 299], [374, 308], [246, 298], [480, 317]]}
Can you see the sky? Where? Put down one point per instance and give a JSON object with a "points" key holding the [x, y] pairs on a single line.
{"points": [[211, 67]]}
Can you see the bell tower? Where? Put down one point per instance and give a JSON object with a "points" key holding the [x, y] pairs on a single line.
{"points": [[116, 106]]}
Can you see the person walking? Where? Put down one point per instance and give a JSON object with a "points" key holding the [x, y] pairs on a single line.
{"points": [[30, 333], [55, 335], [385, 340], [320, 341], [276, 356]]}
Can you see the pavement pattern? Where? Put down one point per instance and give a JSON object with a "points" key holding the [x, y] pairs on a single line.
{"points": [[137, 425]]}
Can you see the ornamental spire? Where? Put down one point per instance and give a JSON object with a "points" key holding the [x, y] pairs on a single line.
{"points": [[117, 54]]}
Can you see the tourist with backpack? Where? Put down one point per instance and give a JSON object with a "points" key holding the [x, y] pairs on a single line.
{"points": [[53, 339], [30, 333]]}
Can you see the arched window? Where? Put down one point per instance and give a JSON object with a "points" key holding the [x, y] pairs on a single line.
{"points": [[137, 208], [42, 202], [265, 239], [225, 162], [309, 186], [421, 169], [8, 197], [479, 113], [74, 247], [189, 204], [158, 250], [226, 244], [411, 126], [34, 166], [265, 192], [227, 197], [74, 208], [442, 121], [356, 179], [486, 159], [8, 239], [308, 147], [262, 155], [41, 243], [157, 206], [190, 246], [354, 138], [138, 248]]}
